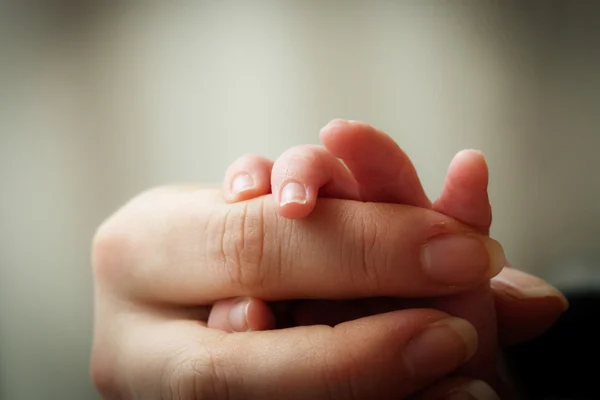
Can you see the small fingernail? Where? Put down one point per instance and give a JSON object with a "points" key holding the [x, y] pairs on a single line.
{"points": [[292, 192], [462, 259], [444, 344], [241, 183], [238, 316], [474, 390]]}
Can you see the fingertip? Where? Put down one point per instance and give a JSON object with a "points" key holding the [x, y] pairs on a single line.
{"points": [[465, 192], [246, 178], [340, 136], [335, 123], [293, 193], [521, 285], [382, 169], [467, 168], [296, 200], [259, 316], [348, 139], [526, 306], [471, 153], [239, 187], [303, 173], [431, 343], [241, 315]]}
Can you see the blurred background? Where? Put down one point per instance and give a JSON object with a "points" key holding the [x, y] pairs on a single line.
{"points": [[101, 100]]}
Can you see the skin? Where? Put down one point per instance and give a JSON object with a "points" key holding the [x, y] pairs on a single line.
{"points": [[167, 264], [167, 256], [358, 162]]}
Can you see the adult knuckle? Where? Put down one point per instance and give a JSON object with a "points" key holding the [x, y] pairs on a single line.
{"points": [[334, 367], [372, 258], [341, 370], [243, 245], [196, 374], [118, 243], [111, 246]]}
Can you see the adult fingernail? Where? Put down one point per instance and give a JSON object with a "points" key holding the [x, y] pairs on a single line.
{"points": [[238, 316], [292, 192], [462, 259], [443, 345], [523, 286], [241, 183], [474, 390]]}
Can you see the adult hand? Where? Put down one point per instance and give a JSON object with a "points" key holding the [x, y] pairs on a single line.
{"points": [[358, 162], [526, 307], [167, 256]]}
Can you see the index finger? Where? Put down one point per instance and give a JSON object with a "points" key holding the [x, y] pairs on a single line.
{"points": [[190, 247], [384, 356]]}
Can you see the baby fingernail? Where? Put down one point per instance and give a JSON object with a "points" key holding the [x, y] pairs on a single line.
{"points": [[238, 316], [474, 390], [462, 259], [292, 192], [241, 183]]}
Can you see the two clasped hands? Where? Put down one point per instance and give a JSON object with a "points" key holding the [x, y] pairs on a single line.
{"points": [[259, 291]]}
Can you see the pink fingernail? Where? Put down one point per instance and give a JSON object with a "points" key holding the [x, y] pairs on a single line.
{"points": [[238, 316], [292, 192], [241, 183]]}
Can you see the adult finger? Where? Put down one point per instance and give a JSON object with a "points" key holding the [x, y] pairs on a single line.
{"points": [[458, 388], [202, 250], [385, 356], [247, 177], [383, 171], [526, 306], [263, 316], [303, 173]]}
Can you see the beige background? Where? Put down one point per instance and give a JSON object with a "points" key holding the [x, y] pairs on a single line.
{"points": [[99, 103]]}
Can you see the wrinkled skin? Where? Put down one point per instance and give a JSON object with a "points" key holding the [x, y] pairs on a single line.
{"points": [[379, 171]]}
